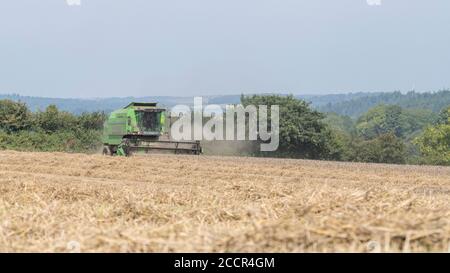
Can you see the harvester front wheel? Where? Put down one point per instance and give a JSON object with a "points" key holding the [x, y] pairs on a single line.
{"points": [[124, 148], [106, 150]]}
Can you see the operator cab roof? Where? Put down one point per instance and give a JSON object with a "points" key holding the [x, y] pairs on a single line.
{"points": [[148, 106], [141, 104]]}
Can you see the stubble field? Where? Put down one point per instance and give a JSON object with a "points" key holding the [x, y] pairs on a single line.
{"points": [[56, 202]]}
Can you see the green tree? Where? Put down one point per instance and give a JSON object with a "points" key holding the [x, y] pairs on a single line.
{"points": [[50, 130], [434, 144], [416, 120], [444, 116], [14, 116], [386, 148], [92, 121], [385, 119], [52, 120], [340, 123], [302, 132], [379, 120]]}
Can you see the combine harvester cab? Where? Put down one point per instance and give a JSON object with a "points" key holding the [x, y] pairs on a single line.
{"points": [[140, 128]]}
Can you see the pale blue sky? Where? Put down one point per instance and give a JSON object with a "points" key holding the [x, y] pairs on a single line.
{"points": [[207, 47]]}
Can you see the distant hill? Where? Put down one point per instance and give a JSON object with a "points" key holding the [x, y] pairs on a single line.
{"points": [[351, 104], [358, 105], [78, 106]]}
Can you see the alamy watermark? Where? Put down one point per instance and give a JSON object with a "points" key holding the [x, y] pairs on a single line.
{"points": [[73, 247], [78, 2], [373, 2], [241, 123], [73, 2]]}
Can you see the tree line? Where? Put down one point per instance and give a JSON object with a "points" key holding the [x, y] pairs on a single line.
{"points": [[48, 130], [354, 105], [383, 134]]}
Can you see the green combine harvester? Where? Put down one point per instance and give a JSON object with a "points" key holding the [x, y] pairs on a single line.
{"points": [[141, 128]]}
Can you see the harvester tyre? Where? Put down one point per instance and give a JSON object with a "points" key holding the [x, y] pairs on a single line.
{"points": [[106, 150]]}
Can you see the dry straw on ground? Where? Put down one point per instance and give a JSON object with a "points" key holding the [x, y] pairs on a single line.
{"points": [[69, 202]]}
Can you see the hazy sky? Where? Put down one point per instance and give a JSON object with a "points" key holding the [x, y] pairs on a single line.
{"points": [[207, 47]]}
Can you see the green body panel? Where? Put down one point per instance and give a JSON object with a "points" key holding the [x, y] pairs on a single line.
{"points": [[136, 119]]}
